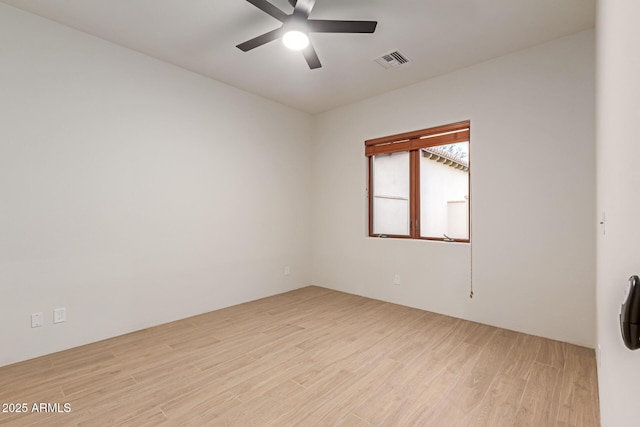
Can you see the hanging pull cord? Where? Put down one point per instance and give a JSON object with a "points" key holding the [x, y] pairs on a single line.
{"points": [[449, 239]]}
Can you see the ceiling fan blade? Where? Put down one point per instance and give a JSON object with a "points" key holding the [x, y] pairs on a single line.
{"points": [[260, 40], [303, 8], [330, 26], [269, 9], [311, 56]]}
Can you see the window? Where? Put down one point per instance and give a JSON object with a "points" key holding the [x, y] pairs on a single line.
{"points": [[419, 184]]}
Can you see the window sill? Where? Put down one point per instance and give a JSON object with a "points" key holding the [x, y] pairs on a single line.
{"points": [[428, 239]]}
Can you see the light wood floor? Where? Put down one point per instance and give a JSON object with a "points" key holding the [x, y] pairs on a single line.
{"points": [[312, 357]]}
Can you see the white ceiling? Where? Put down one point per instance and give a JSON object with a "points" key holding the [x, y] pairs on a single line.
{"points": [[437, 35]]}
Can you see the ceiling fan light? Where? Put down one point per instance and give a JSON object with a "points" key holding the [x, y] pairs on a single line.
{"points": [[295, 40]]}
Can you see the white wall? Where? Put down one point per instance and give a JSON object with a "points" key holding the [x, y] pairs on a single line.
{"points": [[134, 193], [618, 175], [533, 180]]}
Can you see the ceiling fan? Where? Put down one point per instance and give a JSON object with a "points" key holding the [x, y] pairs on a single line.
{"points": [[296, 27]]}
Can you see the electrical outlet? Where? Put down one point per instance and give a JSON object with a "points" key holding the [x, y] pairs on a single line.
{"points": [[396, 280], [59, 315], [36, 320], [287, 270]]}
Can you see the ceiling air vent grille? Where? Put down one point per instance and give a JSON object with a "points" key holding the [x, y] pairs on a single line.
{"points": [[393, 59]]}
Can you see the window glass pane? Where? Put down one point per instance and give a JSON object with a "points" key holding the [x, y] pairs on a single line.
{"points": [[444, 191], [391, 193]]}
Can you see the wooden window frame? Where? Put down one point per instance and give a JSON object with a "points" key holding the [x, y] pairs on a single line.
{"points": [[413, 142]]}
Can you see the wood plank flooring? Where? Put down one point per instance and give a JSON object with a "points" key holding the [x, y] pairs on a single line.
{"points": [[311, 357]]}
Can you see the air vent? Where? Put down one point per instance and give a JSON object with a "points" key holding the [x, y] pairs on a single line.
{"points": [[393, 59]]}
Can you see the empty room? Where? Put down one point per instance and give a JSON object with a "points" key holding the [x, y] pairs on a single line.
{"points": [[319, 213]]}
